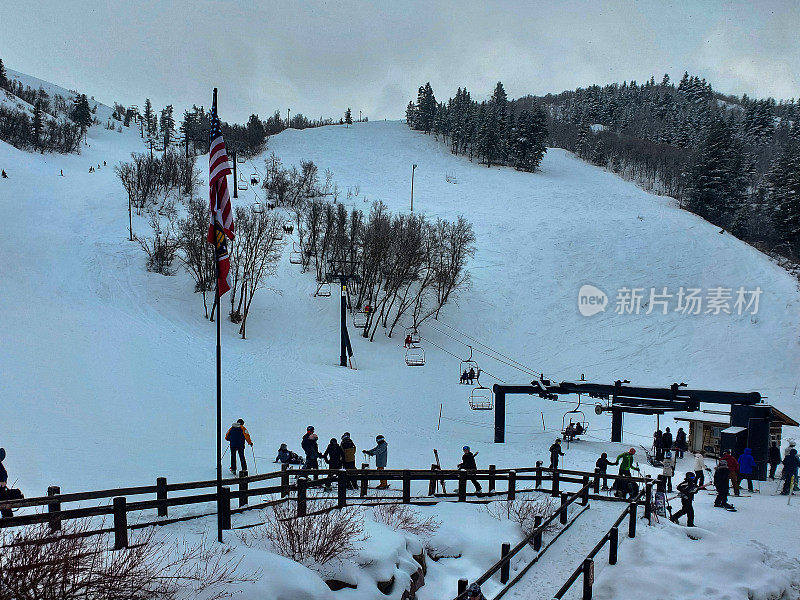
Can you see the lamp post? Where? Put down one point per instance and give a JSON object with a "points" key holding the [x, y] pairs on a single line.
{"points": [[413, 168]]}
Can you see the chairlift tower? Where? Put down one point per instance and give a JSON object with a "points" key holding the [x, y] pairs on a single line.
{"points": [[343, 271]]}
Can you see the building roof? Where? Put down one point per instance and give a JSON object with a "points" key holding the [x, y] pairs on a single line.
{"points": [[703, 421], [783, 419]]}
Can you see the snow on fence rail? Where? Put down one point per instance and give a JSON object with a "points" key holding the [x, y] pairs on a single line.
{"points": [[294, 492]]}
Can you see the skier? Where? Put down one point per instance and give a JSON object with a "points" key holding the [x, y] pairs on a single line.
{"points": [[569, 432], [474, 592], [666, 440], [790, 465], [792, 445], [602, 464], [733, 467], [680, 443], [62, 172], [349, 458], [774, 459], [471, 375], [5, 176], [464, 377], [699, 468], [625, 462], [555, 452], [334, 456], [407, 343], [380, 452], [686, 491], [237, 435], [468, 464], [747, 465], [579, 428], [657, 441], [284, 456], [625, 487], [721, 481], [669, 469], [311, 449]]}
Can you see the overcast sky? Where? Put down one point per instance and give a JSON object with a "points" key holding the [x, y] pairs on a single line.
{"points": [[319, 58]]}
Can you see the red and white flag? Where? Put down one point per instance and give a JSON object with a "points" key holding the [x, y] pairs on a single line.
{"points": [[221, 227]]}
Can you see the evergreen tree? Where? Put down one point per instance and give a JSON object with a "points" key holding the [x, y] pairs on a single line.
{"points": [[426, 108], [167, 126], [583, 144], [783, 183], [348, 117], [3, 76], [149, 116], [411, 115], [81, 113], [38, 126], [499, 122]]}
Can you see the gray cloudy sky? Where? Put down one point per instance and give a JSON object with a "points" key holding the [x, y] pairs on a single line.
{"points": [[320, 57]]}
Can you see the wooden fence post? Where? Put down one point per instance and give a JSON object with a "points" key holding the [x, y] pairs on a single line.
{"points": [[632, 521], [613, 543], [54, 507], [406, 487], [364, 480], [512, 485], [120, 523], [537, 537], [554, 491], [538, 482], [432, 482], [596, 480], [342, 490], [243, 485], [462, 487], [225, 506], [492, 477], [648, 502], [588, 578], [462, 586], [661, 483], [504, 570], [563, 515], [161, 496], [585, 495], [284, 481], [302, 483]]}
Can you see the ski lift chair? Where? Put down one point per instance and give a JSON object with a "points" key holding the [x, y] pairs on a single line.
{"points": [[465, 367], [242, 185], [580, 418], [481, 398], [240, 159], [413, 334], [415, 356], [258, 208], [359, 319], [323, 289], [295, 256], [254, 179]]}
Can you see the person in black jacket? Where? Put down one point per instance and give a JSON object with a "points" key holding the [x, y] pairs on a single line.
{"points": [[666, 440], [680, 443], [237, 435], [602, 464], [555, 452], [349, 458], [774, 459], [722, 477], [334, 456], [468, 464], [657, 444], [790, 468], [311, 448], [686, 491]]}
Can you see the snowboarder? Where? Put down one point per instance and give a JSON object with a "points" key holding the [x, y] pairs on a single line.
{"points": [[666, 440], [774, 459], [657, 441], [380, 452], [468, 464], [474, 592], [311, 448], [555, 452], [721, 480], [699, 468], [733, 468], [602, 464], [349, 458], [680, 443], [669, 469], [5, 175], [790, 465], [747, 465], [625, 462], [686, 491], [237, 435]]}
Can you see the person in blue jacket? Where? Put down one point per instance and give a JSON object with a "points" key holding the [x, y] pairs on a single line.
{"points": [[380, 452], [747, 467]]}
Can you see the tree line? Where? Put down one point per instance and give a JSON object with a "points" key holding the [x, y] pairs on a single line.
{"points": [[408, 267], [491, 131]]}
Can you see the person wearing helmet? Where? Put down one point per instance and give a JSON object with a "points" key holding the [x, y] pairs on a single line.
{"points": [[468, 464], [555, 452], [625, 462], [311, 448], [474, 592], [380, 452], [686, 491]]}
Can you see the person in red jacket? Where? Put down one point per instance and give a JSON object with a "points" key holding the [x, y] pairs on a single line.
{"points": [[733, 467]]}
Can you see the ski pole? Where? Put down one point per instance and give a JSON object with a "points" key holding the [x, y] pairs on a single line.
{"points": [[255, 464]]}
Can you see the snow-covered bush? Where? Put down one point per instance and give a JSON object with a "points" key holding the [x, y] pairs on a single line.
{"points": [[326, 534], [524, 509], [405, 518]]}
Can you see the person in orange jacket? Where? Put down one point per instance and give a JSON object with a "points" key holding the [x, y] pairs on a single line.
{"points": [[237, 435]]}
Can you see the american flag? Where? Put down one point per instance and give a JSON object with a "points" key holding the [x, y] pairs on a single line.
{"points": [[221, 226]]}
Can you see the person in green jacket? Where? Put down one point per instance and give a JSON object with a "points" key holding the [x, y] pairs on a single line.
{"points": [[625, 462]]}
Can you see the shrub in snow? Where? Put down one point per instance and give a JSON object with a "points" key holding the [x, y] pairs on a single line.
{"points": [[403, 517], [326, 534], [524, 509], [68, 565]]}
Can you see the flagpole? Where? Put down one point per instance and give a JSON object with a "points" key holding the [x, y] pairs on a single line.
{"points": [[219, 371]]}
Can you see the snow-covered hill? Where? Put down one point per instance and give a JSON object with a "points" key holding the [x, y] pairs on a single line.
{"points": [[108, 370]]}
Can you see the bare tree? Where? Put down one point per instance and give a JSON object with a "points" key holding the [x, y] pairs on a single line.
{"points": [[196, 254]]}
